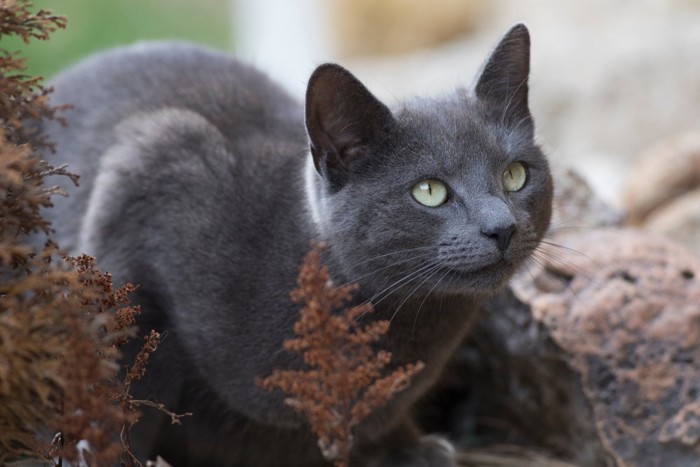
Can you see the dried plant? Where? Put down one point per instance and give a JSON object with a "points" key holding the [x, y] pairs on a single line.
{"points": [[61, 321], [58, 328], [23, 99], [343, 382], [131, 406], [31, 287], [89, 367]]}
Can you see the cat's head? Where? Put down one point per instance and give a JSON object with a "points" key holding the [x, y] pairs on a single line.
{"points": [[446, 195]]}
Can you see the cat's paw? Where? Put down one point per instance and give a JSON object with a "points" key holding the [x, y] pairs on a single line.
{"points": [[431, 451]]}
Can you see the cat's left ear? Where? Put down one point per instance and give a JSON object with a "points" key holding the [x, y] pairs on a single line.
{"points": [[343, 120], [502, 81]]}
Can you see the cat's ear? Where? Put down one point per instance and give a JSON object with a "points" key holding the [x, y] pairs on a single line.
{"points": [[343, 119], [502, 81]]}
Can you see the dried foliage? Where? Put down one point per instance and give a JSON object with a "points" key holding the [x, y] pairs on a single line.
{"points": [[343, 383], [59, 326], [88, 411], [22, 196], [23, 98], [61, 321]]}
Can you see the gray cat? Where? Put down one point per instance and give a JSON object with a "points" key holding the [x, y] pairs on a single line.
{"points": [[201, 183]]}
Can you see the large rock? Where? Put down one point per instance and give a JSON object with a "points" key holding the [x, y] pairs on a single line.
{"points": [[624, 308]]}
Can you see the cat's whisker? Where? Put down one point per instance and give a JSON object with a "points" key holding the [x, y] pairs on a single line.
{"points": [[415, 320], [550, 258], [406, 250], [569, 286], [428, 276], [349, 267], [397, 285], [562, 226], [528, 268], [564, 247], [543, 265], [406, 260], [532, 261], [385, 292]]}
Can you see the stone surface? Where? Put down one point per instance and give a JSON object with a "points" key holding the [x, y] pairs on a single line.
{"points": [[665, 171], [576, 206], [624, 307], [679, 219]]}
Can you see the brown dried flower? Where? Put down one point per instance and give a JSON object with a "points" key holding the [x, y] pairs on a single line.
{"points": [[343, 381], [88, 365]]}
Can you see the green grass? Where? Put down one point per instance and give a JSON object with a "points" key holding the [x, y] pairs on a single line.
{"points": [[100, 24]]}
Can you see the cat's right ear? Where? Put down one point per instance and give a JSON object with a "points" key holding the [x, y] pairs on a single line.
{"points": [[343, 119]]}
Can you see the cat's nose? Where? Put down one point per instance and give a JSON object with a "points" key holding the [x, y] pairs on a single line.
{"points": [[501, 234]]}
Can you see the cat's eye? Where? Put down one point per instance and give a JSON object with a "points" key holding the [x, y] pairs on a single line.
{"points": [[430, 192], [515, 177]]}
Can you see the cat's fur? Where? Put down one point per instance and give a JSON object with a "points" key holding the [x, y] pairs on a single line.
{"points": [[198, 185]]}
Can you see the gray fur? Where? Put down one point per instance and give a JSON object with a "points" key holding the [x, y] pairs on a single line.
{"points": [[197, 184]]}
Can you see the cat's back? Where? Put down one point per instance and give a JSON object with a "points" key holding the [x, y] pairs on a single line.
{"points": [[166, 96], [115, 84]]}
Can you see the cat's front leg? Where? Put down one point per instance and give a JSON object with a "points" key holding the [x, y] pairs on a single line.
{"points": [[431, 451]]}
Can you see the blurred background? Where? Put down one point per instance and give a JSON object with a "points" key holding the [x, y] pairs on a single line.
{"points": [[610, 78]]}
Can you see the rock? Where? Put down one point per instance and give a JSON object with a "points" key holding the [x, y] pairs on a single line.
{"points": [[664, 172], [624, 307], [679, 220], [576, 205]]}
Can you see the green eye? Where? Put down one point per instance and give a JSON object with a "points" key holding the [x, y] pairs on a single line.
{"points": [[430, 193], [514, 177]]}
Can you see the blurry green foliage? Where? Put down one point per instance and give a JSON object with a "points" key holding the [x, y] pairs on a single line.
{"points": [[95, 25]]}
